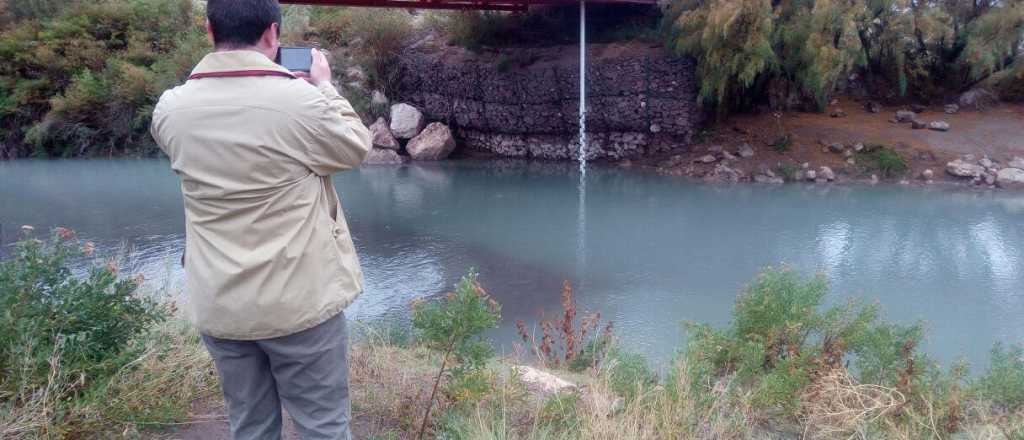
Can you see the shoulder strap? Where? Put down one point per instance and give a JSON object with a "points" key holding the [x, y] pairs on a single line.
{"points": [[240, 73]]}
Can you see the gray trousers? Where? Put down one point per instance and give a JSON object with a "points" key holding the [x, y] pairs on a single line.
{"points": [[306, 371]]}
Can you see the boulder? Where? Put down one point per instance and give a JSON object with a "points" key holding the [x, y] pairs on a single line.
{"points": [[976, 99], [381, 156], [918, 125], [927, 174], [378, 99], [1017, 162], [874, 179], [382, 137], [541, 382], [938, 125], [406, 121], [904, 116], [960, 168], [836, 147], [827, 173], [435, 142], [810, 175], [746, 151], [1011, 178], [707, 158], [952, 109]]}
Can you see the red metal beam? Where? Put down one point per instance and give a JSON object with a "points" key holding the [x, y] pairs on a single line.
{"points": [[493, 5]]}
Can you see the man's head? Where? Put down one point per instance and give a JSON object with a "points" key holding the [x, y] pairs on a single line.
{"points": [[244, 24]]}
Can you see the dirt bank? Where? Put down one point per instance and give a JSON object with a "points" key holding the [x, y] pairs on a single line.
{"points": [[997, 132]]}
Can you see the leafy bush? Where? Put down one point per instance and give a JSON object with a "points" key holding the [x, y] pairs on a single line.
{"points": [[55, 322], [454, 325], [82, 80], [629, 374], [887, 161], [781, 339], [1003, 383]]}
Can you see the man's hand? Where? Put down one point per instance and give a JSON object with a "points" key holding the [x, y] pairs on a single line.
{"points": [[319, 70]]}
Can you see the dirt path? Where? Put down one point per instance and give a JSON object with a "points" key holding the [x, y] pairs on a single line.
{"points": [[210, 422]]}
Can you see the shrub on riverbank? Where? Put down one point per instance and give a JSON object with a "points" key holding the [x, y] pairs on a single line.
{"points": [[83, 81]]}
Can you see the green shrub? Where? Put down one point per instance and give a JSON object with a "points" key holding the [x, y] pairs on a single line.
{"points": [[782, 337], [629, 374], [454, 325], [1003, 383], [57, 322], [887, 161]]}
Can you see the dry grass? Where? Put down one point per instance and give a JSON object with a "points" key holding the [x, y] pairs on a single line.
{"points": [[835, 406]]}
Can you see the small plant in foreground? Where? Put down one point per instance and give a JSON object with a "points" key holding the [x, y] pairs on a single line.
{"points": [[1003, 383], [578, 346], [454, 325]]}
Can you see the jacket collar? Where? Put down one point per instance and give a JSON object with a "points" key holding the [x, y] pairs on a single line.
{"points": [[237, 61]]}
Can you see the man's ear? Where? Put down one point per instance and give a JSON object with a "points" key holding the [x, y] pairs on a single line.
{"points": [[270, 38], [209, 33]]}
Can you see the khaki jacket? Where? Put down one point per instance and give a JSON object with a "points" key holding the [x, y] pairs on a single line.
{"points": [[268, 252]]}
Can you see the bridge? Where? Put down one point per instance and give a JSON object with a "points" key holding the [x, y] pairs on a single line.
{"points": [[484, 5]]}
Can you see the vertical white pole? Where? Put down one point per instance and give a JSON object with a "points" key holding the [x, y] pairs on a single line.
{"points": [[583, 87]]}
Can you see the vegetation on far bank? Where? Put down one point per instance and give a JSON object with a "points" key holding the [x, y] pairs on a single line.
{"points": [[81, 77], [85, 355]]}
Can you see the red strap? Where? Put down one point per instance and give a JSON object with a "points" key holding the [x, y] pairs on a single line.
{"points": [[240, 73]]}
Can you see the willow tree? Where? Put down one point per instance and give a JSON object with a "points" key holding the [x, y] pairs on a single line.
{"points": [[922, 48]]}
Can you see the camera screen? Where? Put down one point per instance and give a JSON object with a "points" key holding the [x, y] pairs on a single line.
{"points": [[295, 58]]}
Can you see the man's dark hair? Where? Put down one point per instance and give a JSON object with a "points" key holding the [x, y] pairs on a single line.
{"points": [[240, 23]]}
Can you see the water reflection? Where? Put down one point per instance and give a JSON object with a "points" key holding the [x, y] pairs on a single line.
{"points": [[647, 251]]}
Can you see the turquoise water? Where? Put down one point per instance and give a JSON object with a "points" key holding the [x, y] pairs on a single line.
{"points": [[653, 251]]}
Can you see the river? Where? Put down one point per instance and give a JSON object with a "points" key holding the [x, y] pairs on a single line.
{"points": [[654, 252]]}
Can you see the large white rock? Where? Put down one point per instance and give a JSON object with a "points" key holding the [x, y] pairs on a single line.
{"points": [[542, 382], [960, 168], [406, 121], [382, 137], [435, 142], [1010, 178], [938, 125]]}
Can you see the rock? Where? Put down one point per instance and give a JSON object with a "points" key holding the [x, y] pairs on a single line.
{"points": [[977, 99], [772, 180], [380, 156], [927, 174], [728, 156], [746, 151], [541, 382], [960, 168], [810, 175], [968, 157], [939, 126], [1017, 162], [851, 161], [986, 162], [435, 142], [836, 147], [952, 109], [406, 121], [858, 147], [848, 154], [904, 116], [918, 125], [805, 165], [382, 137], [918, 108], [904, 182], [874, 179], [873, 107], [707, 158], [378, 99], [1010, 178], [827, 173], [722, 173], [838, 113], [990, 179], [655, 128]]}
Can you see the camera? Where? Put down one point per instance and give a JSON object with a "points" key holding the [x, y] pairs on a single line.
{"points": [[296, 59]]}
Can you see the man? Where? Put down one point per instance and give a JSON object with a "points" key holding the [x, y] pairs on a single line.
{"points": [[270, 265]]}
